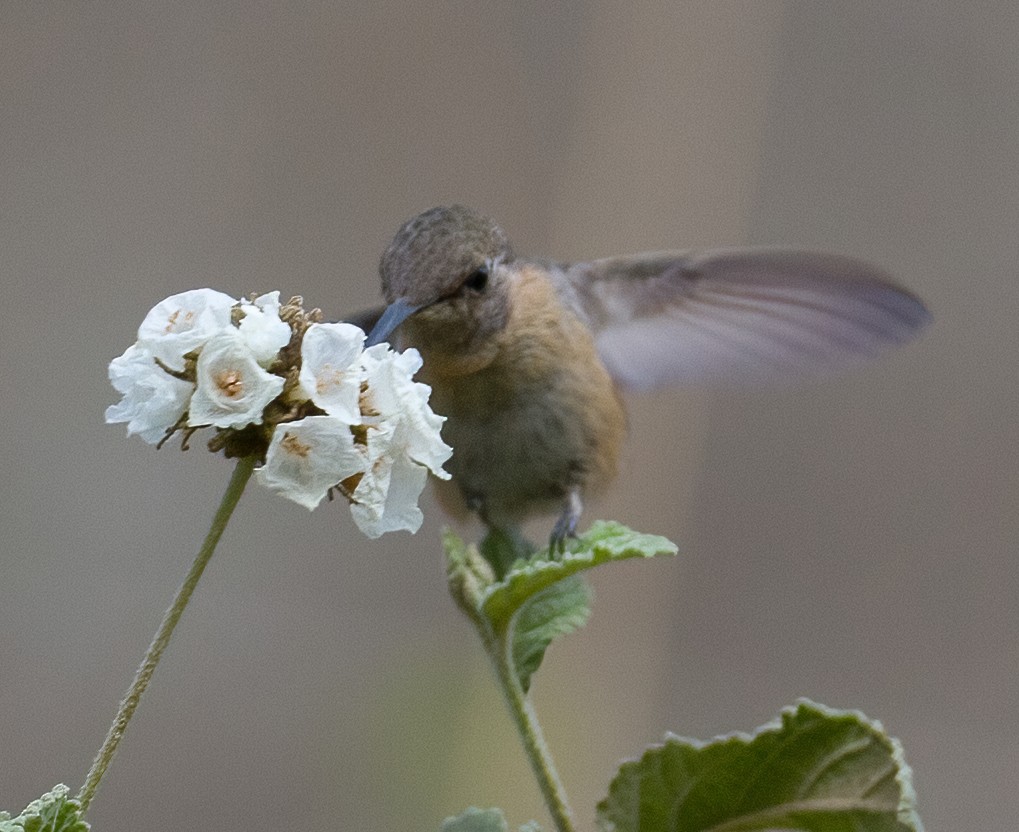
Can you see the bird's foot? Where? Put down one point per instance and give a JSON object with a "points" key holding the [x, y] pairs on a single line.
{"points": [[566, 524]]}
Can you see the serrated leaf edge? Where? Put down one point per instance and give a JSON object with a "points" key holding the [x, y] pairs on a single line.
{"points": [[906, 811], [499, 601], [57, 795]]}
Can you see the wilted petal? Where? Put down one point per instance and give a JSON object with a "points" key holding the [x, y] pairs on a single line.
{"points": [[308, 457], [184, 322], [233, 389], [153, 400], [330, 372]]}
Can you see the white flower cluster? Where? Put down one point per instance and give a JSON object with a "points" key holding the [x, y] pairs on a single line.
{"points": [[353, 419]]}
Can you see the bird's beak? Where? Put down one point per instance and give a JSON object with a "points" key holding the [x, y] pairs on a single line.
{"points": [[394, 315]]}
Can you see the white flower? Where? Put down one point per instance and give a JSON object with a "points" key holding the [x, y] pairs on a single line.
{"points": [[394, 395], [403, 443], [184, 322], [261, 327], [233, 389], [308, 457], [153, 400], [386, 499], [330, 371], [377, 441]]}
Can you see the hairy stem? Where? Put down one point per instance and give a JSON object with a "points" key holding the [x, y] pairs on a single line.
{"points": [[525, 718], [241, 475]]}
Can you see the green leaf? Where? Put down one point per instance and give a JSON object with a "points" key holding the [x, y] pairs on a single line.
{"points": [[538, 597], [476, 820], [53, 812], [483, 820], [605, 542], [468, 575], [816, 770], [555, 611]]}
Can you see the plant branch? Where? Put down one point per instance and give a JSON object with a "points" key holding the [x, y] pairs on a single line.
{"points": [[241, 475], [500, 649]]}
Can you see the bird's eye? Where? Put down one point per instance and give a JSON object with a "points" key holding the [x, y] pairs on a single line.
{"points": [[477, 280]]}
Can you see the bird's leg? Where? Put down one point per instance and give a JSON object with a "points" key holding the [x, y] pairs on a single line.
{"points": [[566, 524]]}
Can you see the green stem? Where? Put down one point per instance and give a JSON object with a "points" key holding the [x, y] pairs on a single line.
{"points": [[241, 475], [499, 648]]}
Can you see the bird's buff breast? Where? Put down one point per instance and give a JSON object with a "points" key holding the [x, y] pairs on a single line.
{"points": [[540, 419]]}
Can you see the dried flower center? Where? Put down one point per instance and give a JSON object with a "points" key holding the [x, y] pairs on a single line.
{"points": [[173, 323], [230, 382], [294, 446], [365, 401], [328, 378]]}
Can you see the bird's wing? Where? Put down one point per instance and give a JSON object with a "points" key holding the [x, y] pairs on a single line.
{"points": [[742, 317]]}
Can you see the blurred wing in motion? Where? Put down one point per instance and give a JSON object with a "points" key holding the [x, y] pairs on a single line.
{"points": [[739, 317]]}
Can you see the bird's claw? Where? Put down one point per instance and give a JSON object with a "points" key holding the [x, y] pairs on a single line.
{"points": [[566, 524]]}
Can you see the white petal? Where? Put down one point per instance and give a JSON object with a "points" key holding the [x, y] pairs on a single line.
{"points": [[393, 507], [269, 302], [183, 322], [233, 389], [153, 400], [330, 372], [262, 329], [380, 453], [394, 395], [308, 457], [390, 375]]}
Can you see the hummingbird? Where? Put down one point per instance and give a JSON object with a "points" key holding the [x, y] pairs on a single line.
{"points": [[527, 358]]}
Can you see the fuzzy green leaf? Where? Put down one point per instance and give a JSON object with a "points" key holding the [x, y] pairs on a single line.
{"points": [[816, 770], [467, 573], [482, 820], [530, 600], [53, 812], [555, 611], [476, 820], [605, 542]]}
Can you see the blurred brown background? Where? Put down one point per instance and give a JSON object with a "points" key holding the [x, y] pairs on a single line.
{"points": [[854, 542]]}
